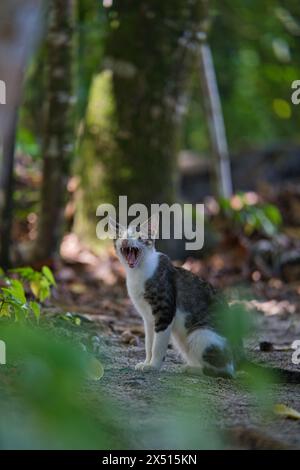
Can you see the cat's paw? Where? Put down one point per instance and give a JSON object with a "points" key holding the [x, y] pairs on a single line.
{"points": [[145, 367], [141, 365]]}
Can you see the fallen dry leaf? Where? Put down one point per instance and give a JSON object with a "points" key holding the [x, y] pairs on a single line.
{"points": [[286, 412], [128, 338]]}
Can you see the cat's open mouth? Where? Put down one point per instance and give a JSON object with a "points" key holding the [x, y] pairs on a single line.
{"points": [[132, 255]]}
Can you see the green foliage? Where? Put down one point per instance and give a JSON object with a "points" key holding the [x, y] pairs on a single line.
{"points": [[259, 382], [265, 218], [235, 323], [27, 143], [13, 300], [40, 391], [90, 31], [255, 46], [40, 282]]}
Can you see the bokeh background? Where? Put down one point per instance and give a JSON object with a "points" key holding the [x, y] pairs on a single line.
{"points": [[164, 101]]}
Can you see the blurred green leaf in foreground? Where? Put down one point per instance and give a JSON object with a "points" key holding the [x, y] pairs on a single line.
{"points": [[43, 403]]}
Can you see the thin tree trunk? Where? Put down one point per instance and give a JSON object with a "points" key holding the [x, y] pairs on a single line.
{"points": [[19, 28], [57, 141], [7, 185], [214, 117]]}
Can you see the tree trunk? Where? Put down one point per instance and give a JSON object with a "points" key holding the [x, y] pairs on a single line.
{"points": [[7, 185], [19, 27], [215, 120], [57, 135], [131, 143]]}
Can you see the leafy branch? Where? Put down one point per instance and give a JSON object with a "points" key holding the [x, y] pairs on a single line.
{"points": [[251, 217], [13, 299]]}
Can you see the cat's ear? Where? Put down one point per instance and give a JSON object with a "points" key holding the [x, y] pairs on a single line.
{"points": [[149, 229], [117, 230]]}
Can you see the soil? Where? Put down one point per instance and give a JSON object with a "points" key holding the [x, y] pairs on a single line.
{"points": [[172, 409], [226, 410]]}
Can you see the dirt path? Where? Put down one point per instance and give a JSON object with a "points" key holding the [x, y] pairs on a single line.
{"points": [[172, 409]]}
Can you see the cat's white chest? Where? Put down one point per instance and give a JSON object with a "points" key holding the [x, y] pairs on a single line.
{"points": [[136, 292], [136, 280], [136, 288]]}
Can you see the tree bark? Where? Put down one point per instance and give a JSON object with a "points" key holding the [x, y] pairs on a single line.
{"points": [[57, 145], [19, 28], [7, 187], [131, 143]]}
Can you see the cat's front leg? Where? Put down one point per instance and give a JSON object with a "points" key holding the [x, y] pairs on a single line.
{"points": [[149, 333], [159, 350], [160, 346], [161, 297]]}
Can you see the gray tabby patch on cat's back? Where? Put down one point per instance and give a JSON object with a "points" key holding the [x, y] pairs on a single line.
{"points": [[172, 288], [198, 299]]}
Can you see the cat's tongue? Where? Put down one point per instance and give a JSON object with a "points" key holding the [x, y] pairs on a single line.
{"points": [[131, 259]]}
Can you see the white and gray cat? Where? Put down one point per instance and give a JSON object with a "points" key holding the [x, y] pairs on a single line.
{"points": [[177, 305], [174, 303]]}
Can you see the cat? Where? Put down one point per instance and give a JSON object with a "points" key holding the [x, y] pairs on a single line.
{"points": [[177, 305], [174, 304]]}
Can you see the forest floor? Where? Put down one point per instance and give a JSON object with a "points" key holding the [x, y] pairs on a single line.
{"points": [[171, 409]]}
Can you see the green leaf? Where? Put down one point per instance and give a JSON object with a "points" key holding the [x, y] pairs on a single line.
{"points": [[20, 313], [16, 289], [5, 310], [44, 291], [224, 203], [49, 275], [36, 309], [273, 214], [26, 273], [35, 288]]}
